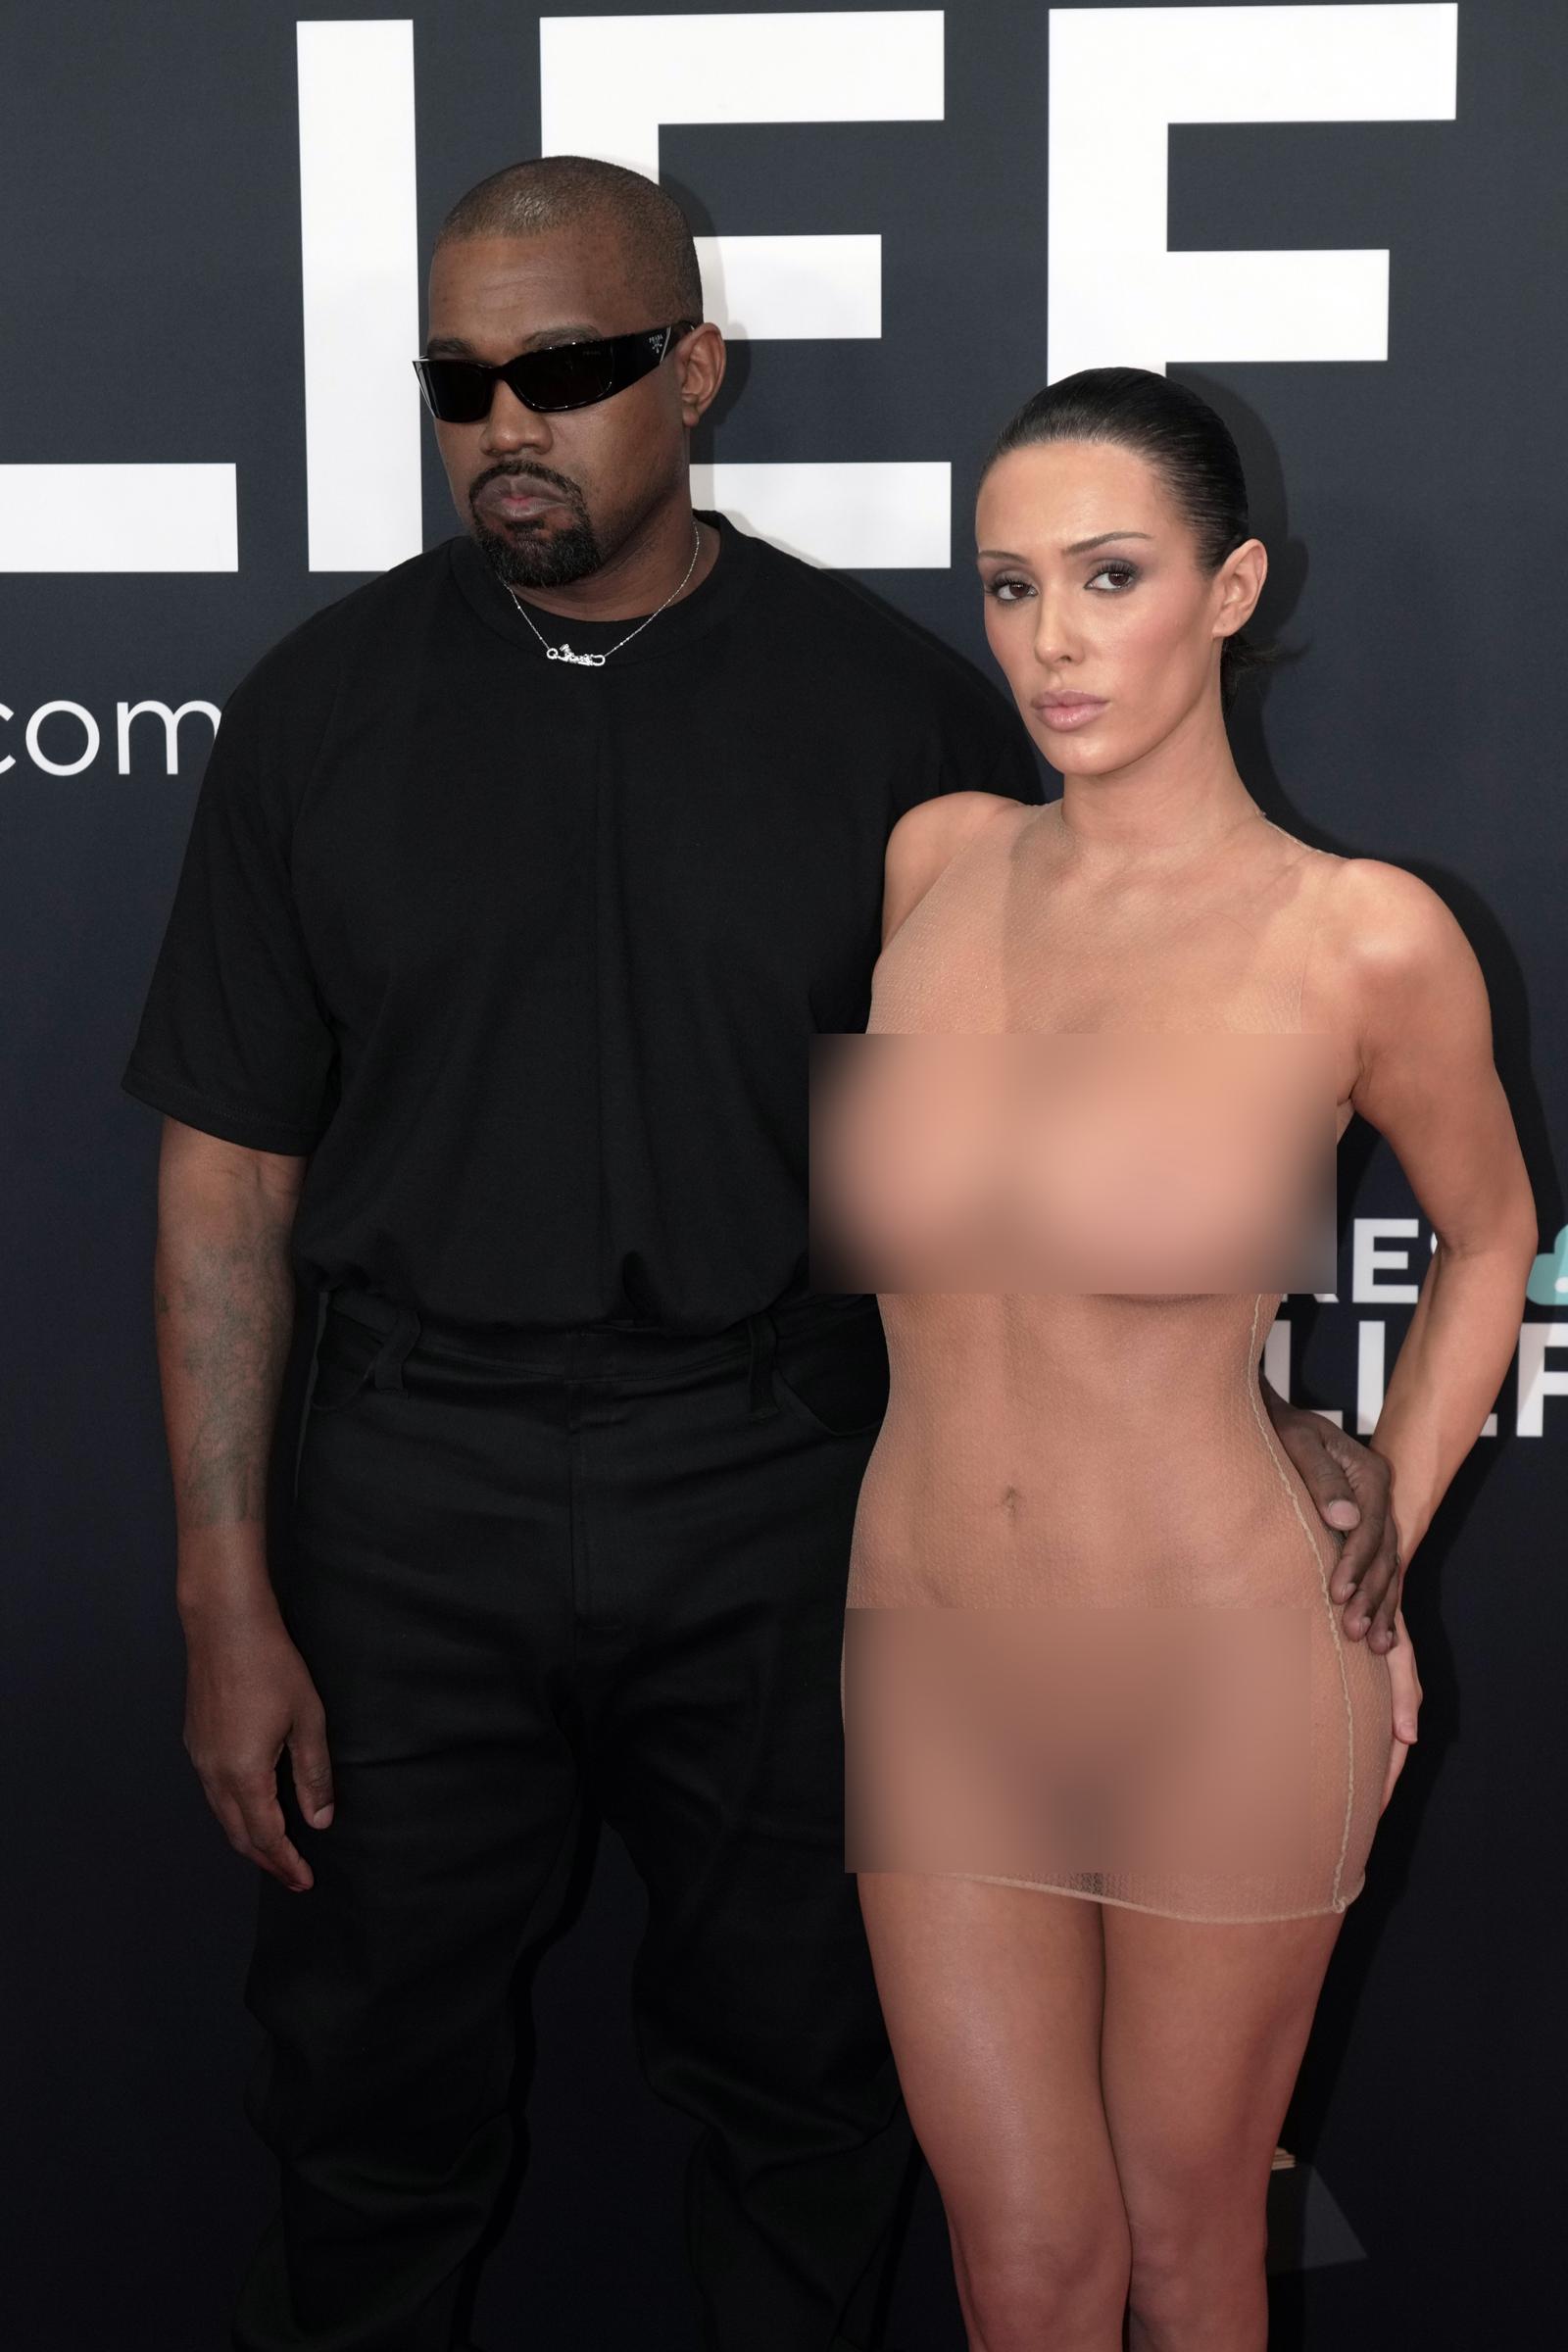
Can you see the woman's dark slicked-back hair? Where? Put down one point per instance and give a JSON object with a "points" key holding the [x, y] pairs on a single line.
{"points": [[1186, 440]]}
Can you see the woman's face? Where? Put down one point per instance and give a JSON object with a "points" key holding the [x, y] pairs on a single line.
{"points": [[1106, 628]]}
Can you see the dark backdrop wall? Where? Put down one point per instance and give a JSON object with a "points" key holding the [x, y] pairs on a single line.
{"points": [[1345, 224]]}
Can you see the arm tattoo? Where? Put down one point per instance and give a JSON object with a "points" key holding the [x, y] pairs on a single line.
{"points": [[226, 1319]]}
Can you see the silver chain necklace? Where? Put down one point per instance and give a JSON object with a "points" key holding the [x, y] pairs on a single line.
{"points": [[564, 653]]}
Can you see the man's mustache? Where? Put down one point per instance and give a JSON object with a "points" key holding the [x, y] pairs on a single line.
{"points": [[529, 477]]}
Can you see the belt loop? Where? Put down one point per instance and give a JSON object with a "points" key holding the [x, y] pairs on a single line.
{"points": [[761, 1331], [399, 1340]]}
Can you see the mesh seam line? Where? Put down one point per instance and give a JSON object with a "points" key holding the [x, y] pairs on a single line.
{"points": [[1266, 1433]]}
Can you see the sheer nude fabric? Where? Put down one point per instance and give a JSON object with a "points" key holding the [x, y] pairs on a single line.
{"points": [[1089, 1644]]}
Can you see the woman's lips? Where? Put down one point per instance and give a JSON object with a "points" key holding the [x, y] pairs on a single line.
{"points": [[1062, 711]]}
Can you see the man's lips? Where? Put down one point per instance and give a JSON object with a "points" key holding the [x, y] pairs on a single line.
{"points": [[514, 498], [1062, 711]]}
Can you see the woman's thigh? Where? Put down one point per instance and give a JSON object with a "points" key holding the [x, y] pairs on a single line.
{"points": [[992, 1996], [1204, 2030]]}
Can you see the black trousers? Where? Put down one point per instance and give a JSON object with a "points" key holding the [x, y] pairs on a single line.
{"points": [[601, 1565]]}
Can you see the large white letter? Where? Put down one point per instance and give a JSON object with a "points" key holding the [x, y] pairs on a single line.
{"points": [[831, 513], [358, 263], [1536, 1382], [117, 518], [1370, 1263], [1371, 1355], [607, 84], [1119, 77]]}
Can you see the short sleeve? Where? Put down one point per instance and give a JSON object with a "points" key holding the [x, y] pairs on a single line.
{"points": [[979, 742], [1016, 770], [234, 1037]]}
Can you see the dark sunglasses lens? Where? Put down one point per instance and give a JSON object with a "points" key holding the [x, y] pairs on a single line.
{"points": [[569, 376], [566, 376], [456, 391]]}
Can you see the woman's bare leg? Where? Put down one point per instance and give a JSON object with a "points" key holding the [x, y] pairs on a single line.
{"points": [[992, 1999], [1203, 2036]]}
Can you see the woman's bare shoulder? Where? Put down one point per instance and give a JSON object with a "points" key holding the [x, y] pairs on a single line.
{"points": [[1389, 925], [1370, 911], [927, 838], [1390, 963]]}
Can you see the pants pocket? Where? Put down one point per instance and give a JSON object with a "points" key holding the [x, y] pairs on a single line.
{"points": [[345, 1357], [834, 1375]]}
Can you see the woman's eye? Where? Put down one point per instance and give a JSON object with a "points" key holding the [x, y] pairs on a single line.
{"points": [[997, 587], [1120, 575]]}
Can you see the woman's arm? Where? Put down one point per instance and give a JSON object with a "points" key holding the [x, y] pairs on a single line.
{"points": [[1402, 981], [1428, 1085]]}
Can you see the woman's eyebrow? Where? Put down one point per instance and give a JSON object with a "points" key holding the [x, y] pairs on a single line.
{"points": [[1081, 547], [1078, 547]]}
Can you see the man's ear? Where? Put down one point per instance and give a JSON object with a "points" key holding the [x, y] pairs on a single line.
{"points": [[701, 364]]}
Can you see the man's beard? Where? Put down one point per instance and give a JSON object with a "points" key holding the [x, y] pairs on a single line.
{"points": [[540, 558]]}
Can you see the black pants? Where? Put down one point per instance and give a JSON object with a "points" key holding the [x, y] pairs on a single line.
{"points": [[599, 1565]]}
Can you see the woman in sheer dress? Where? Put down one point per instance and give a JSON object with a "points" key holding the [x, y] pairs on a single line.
{"points": [[1115, 1758]]}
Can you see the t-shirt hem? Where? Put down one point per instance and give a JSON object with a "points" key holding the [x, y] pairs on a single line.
{"points": [[252, 1130]]}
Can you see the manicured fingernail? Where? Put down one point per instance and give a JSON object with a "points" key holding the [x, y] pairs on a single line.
{"points": [[1342, 1513]]}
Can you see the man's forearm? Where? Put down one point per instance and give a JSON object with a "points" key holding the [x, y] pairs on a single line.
{"points": [[225, 1298]]}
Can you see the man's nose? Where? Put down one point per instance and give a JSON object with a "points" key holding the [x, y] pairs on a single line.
{"points": [[512, 425]]}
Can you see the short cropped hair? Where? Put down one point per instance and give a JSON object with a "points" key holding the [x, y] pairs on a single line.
{"points": [[556, 191]]}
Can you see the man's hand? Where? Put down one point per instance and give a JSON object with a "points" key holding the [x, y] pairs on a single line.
{"points": [[249, 1696], [1350, 1485], [1404, 1688]]}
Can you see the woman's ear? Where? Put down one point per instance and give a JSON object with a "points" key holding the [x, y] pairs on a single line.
{"points": [[1240, 581]]}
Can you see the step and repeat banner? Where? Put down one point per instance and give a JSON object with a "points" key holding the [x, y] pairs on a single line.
{"points": [[1344, 226]]}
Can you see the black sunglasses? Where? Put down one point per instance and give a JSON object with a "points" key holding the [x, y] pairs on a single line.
{"points": [[562, 376]]}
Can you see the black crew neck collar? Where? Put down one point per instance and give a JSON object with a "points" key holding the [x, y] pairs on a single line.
{"points": [[690, 616]]}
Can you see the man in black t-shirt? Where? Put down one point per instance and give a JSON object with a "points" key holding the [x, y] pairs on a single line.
{"points": [[519, 880]]}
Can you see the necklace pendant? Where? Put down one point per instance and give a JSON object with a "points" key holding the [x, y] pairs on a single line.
{"points": [[564, 653]]}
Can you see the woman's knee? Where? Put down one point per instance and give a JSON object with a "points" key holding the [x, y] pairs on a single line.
{"points": [[1196, 2277], [1063, 2283]]}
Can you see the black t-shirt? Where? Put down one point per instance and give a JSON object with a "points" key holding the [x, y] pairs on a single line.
{"points": [[525, 956]]}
